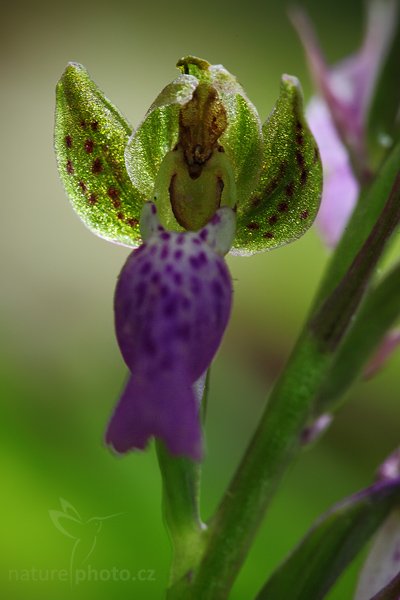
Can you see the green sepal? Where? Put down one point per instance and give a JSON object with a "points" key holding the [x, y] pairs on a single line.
{"points": [[286, 200], [90, 140], [383, 123], [157, 134], [331, 544]]}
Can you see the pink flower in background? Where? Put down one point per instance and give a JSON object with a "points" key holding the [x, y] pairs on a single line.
{"points": [[347, 87], [338, 120], [340, 187], [337, 116]]}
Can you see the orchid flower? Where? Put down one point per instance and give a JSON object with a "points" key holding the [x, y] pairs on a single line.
{"points": [[199, 177], [172, 304], [203, 158], [338, 115], [338, 119]]}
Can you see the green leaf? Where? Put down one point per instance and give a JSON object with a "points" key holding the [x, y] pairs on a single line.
{"points": [[331, 544], [90, 139], [383, 126], [288, 194]]}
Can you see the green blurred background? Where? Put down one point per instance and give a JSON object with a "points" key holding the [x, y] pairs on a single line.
{"points": [[61, 370]]}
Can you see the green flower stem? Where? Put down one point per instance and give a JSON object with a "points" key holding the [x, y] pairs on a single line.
{"points": [[277, 438], [181, 490], [181, 495], [377, 315], [335, 313], [365, 215], [272, 448]]}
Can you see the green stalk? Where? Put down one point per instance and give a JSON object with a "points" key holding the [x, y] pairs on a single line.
{"points": [[277, 438], [181, 505], [181, 491], [377, 315]]}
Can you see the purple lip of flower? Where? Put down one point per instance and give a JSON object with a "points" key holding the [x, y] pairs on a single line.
{"points": [[348, 86], [172, 305]]}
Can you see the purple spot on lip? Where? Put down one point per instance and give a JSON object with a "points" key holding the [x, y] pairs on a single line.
{"points": [[165, 235], [204, 234], [166, 363], [195, 285], [178, 254], [216, 219], [140, 290], [149, 347], [202, 258], [180, 239], [186, 302], [217, 288], [170, 308], [164, 252], [196, 240], [155, 278], [168, 268], [178, 278], [145, 268], [164, 291], [183, 331], [198, 261], [194, 262], [153, 209]]}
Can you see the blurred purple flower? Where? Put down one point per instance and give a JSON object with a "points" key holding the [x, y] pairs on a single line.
{"points": [[347, 87], [387, 347], [340, 187], [337, 117], [383, 562], [172, 305]]}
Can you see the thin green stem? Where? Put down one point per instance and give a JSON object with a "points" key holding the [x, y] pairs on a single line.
{"points": [[277, 438], [181, 503], [377, 315], [181, 491]]}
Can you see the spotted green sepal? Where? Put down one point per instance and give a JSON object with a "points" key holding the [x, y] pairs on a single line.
{"points": [[287, 197], [157, 134], [90, 139]]}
